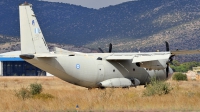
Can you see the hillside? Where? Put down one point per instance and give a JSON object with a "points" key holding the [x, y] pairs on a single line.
{"points": [[13, 44], [141, 25]]}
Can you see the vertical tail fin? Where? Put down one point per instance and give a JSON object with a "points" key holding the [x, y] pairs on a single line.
{"points": [[32, 40]]}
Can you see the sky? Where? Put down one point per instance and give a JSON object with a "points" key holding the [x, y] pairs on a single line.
{"points": [[96, 4]]}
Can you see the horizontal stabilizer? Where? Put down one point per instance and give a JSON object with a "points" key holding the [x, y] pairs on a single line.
{"points": [[31, 56], [26, 56], [45, 55]]}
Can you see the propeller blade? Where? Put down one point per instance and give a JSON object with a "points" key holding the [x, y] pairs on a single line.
{"points": [[167, 46], [110, 48], [101, 50], [171, 59], [167, 70]]}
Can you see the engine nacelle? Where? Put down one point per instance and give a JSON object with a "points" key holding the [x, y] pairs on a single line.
{"points": [[119, 82], [155, 65]]}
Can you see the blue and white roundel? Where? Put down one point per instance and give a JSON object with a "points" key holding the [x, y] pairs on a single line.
{"points": [[33, 22], [78, 66]]}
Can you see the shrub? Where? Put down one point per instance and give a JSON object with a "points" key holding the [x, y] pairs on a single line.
{"points": [[179, 77], [43, 96], [23, 93], [157, 87], [35, 88], [33, 92]]}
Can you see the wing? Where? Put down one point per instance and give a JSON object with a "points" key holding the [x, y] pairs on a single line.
{"points": [[139, 57], [183, 52]]}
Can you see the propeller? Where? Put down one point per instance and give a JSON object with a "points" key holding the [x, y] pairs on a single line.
{"points": [[167, 70], [167, 46], [170, 59], [101, 50], [110, 49]]}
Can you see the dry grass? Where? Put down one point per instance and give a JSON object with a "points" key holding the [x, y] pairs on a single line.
{"points": [[185, 96]]}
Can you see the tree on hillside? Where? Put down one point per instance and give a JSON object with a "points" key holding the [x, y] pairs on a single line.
{"points": [[183, 67]]}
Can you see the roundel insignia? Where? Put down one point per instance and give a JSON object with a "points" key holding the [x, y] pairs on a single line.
{"points": [[77, 66], [33, 22]]}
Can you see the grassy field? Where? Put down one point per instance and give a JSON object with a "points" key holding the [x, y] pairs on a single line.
{"points": [[185, 96]]}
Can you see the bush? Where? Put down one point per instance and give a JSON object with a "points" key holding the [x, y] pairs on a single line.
{"points": [[26, 93], [23, 93], [43, 96], [35, 88], [179, 77], [33, 92], [157, 87]]}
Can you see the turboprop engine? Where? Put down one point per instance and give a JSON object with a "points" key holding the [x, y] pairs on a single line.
{"points": [[119, 82], [155, 65]]}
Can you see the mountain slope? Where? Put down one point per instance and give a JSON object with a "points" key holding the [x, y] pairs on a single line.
{"points": [[137, 25]]}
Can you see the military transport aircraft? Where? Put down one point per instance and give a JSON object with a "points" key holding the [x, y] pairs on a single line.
{"points": [[91, 70]]}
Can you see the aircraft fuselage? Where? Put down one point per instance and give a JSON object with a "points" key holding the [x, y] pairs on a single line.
{"points": [[89, 70]]}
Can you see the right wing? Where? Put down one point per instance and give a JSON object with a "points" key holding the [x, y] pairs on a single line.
{"points": [[183, 52], [139, 57]]}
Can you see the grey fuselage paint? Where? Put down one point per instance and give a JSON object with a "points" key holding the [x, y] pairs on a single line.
{"points": [[88, 71]]}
